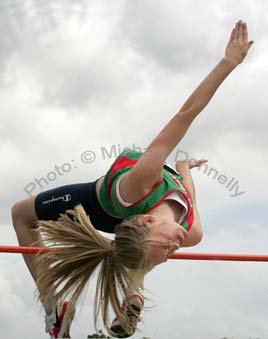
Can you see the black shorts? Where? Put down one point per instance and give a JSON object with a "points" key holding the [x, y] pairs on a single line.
{"points": [[49, 205]]}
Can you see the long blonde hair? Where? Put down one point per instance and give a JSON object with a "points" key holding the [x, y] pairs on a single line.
{"points": [[78, 249]]}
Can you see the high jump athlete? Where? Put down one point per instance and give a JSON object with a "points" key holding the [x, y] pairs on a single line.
{"points": [[149, 206]]}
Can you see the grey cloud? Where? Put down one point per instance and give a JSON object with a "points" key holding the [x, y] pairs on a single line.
{"points": [[181, 40], [167, 36], [67, 77], [79, 74]]}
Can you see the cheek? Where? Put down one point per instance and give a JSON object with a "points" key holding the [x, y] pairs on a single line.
{"points": [[168, 231]]}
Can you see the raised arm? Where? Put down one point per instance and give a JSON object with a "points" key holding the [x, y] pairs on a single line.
{"points": [[235, 53], [148, 170]]}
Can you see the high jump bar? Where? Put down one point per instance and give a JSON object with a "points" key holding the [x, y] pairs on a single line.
{"points": [[176, 255]]}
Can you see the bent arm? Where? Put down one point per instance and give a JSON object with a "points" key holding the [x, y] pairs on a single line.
{"points": [[195, 234], [183, 169]]}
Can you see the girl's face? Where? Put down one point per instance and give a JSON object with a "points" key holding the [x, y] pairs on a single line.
{"points": [[171, 234]]}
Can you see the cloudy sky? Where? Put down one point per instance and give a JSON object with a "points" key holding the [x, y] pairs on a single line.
{"points": [[80, 80]]}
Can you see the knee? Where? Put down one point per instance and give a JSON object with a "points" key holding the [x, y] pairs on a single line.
{"points": [[16, 213], [22, 212], [198, 236], [194, 237]]}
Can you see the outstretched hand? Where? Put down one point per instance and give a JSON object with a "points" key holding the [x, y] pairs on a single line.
{"points": [[196, 163], [238, 44], [192, 162]]}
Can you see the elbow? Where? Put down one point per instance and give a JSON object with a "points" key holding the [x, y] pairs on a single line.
{"points": [[198, 236], [194, 237], [188, 114]]}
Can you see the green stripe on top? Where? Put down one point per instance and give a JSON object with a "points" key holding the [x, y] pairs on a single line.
{"points": [[111, 203]]}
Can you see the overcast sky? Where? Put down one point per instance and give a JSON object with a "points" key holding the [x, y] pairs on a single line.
{"points": [[80, 76]]}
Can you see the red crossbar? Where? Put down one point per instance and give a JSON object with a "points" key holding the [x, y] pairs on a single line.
{"points": [[21, 249], [177, 255], [220, 256]]}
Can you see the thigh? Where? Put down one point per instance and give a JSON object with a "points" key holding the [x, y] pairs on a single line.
{"points": [[50, 204], [24, 212]]}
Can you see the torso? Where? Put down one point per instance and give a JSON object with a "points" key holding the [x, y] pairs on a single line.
{"points": [[176, 208]]}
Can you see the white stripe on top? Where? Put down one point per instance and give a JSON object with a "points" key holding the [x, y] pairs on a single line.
{"points": [[173, 196]]}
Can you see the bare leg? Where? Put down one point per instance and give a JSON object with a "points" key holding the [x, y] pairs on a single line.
{"points": [[24, 221], [27, 238]]}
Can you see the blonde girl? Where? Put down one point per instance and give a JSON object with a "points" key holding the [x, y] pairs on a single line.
{"points": [[149, 206]]}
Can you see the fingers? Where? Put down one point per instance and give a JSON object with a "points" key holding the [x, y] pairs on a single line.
{"points": [[240, 32], [245, 36], [197, 163], [202, 161], [236, 33], [250, 43], [245, 33]]}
